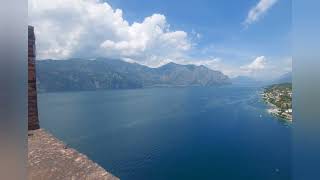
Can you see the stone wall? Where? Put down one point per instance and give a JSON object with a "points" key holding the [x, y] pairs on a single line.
{"points": [[33, 120], [48, 157], [51, 159]]}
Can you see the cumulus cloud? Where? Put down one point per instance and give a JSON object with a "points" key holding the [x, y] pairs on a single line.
{"points": [[258, 11], [262, 68], [257, 64], [90, 28]]}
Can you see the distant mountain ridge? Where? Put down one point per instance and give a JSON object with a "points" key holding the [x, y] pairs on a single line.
{"points": [[285, 78], [245, 80], [81, 74]]}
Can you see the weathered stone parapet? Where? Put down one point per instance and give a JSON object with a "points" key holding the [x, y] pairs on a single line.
{"points": [[33, 121], [50, 159]]}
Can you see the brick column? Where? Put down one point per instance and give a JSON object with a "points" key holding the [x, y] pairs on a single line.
{"points": [[33, 121]]}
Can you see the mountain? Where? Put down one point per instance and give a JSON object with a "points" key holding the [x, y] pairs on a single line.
{"points": [[285, 78], [245, 80], [81, 74], [185, 75]]}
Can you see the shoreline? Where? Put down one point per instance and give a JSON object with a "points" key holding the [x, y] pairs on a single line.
{"points": [[276, 111]]}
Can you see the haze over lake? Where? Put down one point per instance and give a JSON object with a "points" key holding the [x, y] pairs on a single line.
{"points": [[173, 133]]}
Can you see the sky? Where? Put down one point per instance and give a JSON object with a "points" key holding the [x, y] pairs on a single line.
{"points": [[240, 38]]}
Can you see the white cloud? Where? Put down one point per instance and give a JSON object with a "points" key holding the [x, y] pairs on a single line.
{"points": [[258, 11], [263, 69], [257, 64], [260, 68], [90, 28]]}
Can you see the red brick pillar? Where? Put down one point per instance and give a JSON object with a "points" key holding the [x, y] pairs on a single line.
{"points": [[33, 121]]}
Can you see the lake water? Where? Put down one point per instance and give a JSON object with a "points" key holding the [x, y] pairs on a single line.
{"points": [[173, 133]]}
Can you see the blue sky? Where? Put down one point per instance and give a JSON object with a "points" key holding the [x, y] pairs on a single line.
{"points": [[247, 37]]}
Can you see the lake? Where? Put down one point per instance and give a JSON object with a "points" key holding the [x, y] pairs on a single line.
{"points": [[173, 133]]}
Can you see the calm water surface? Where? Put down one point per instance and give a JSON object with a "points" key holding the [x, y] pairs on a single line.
{"points": [[173, 133]]}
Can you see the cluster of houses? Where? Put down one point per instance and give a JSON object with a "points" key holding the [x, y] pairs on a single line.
{"points": [[282, 99]]}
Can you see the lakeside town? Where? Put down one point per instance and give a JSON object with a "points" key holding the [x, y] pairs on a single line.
{"points": [[279, 97]]}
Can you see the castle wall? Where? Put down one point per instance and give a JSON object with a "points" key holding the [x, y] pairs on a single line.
{"points": [[33, 120]]}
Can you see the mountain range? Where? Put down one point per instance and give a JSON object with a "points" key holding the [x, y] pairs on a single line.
{"points": [[245, 80], [249, 81], [102, 73], [285, 78]]}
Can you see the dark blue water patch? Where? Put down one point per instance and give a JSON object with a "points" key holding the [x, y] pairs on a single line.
{"points": [[173, 133]]}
